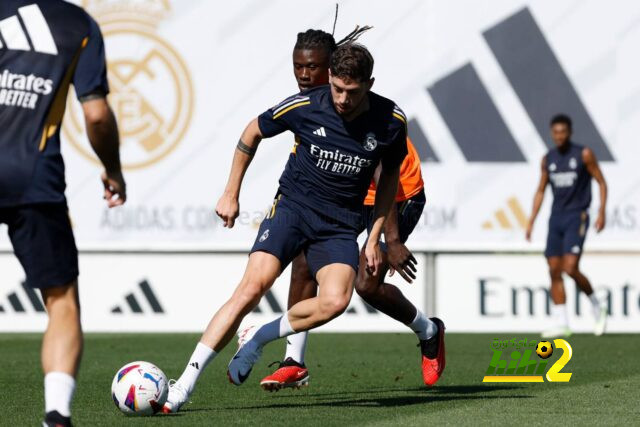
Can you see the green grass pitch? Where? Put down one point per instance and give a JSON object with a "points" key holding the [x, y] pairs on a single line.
{"points": [[356, 379]]}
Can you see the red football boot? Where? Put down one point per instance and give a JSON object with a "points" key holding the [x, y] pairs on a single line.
{"points": [[290, 374], [433, 355]]}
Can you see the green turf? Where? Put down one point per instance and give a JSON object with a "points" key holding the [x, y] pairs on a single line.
{"points": [[361, 379]]}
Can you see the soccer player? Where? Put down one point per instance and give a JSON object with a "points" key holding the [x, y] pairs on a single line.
{"points": [[344, 131], [311, 55], [46, 46], [569, 169]]}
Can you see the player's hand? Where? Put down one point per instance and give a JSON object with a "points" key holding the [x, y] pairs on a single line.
{"points": [[527, 234], [228, 209], [600, 222], [401, 260], [115, 189], [374, 258]]}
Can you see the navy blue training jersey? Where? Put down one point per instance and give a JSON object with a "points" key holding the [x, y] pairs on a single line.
{"points": [[570, 180], [334, 160], [45, 45]]}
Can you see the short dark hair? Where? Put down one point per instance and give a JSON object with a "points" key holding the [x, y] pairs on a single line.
{"points": [[352, 60], [561, 119]]}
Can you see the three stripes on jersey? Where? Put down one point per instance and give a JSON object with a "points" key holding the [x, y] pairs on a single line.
{"points": [[18, 89]]}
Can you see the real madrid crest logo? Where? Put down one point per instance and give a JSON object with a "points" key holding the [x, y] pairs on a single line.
{"points": [[370, 143], [151, 90], [573, 163]]}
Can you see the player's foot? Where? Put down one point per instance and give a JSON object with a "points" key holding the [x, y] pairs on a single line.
{"points": [[247, 355], [601, 322], [54, 419], [177, 397], [433, 355], [290, 374], [557, 332]]}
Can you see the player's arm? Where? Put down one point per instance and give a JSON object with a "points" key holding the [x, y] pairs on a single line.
{"points": [[385, 196], [228, 206], [92, 87], [593, 168], [538, 197], [102, 131], [400, 257]]}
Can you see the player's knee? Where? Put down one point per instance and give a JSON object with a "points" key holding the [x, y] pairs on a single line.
{"points": [[333, 306], [555, 273], [365, 288], [250, 294], [571, 270]]}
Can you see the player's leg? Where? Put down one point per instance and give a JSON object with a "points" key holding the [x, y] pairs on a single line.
{"points": [[334, 262], [292, 371], [43, 242], [261, 271], [577, 225], [553, 252], [388, 299], [335, 290], [62, 345], [558, 298], [278, 241]]}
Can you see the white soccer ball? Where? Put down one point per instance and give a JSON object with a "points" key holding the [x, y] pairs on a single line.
{"points": [[139, 388]]}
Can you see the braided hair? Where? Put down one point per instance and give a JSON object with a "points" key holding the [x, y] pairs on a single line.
{"points": [[318, 39]]}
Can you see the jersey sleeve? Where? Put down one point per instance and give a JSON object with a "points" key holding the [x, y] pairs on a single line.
{"points": [[287, 115], [90, 76], [397, 150]]}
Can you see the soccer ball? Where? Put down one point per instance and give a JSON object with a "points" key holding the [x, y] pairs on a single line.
{"points": [[544, 349], [139, 388]]}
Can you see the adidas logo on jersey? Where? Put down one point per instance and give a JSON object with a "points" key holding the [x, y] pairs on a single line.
{"points": [[35, 26], [320, 131]]}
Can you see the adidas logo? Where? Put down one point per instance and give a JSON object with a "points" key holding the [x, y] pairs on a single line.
{"points": [[320, 131], [195, 365], [132, 302], [518, 217], [469, 111], [36, 28], [17, 304]]}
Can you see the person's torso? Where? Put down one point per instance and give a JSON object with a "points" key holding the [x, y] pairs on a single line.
{"points": [[570, 181], [334, 160], [40, 43], [411, 182]]}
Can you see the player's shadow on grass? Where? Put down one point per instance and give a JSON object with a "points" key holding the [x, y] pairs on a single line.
{"points": [[442, 389], [378, 402]]}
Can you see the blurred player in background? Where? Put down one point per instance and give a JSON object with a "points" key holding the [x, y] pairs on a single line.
{"points": [[311, 55], [64, 46], [344, 132], [569, 169]]}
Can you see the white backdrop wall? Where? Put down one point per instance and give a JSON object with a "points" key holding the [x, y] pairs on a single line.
{"points": [[478, 80], [187, 76]]}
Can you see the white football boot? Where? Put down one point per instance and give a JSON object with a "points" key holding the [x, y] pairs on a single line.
{"points": [[601, 321], [557, 332], [177, 397], [247, 355]]}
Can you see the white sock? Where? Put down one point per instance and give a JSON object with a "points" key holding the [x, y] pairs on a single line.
{"points": [[273, 330], [199, 360], [596, 305], [559, 313], [296, 346], [58, 392], [422, 326]]}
